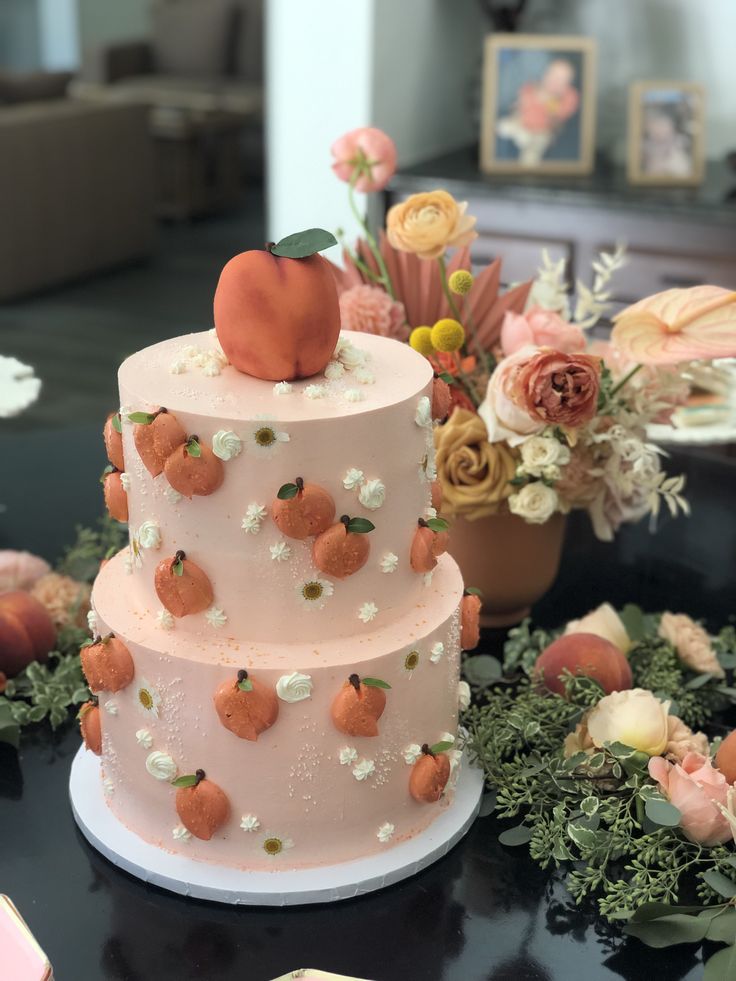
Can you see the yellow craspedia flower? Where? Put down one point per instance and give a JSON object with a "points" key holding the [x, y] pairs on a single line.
{"points": [[421, 340], [460, 281], [448, 335]]}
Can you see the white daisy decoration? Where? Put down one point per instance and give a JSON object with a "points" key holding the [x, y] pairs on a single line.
{"points": [[111, 707], [437, 652], [264, 438], [313, 593], [280, 552], [273, 845], [364, 769], [353, 478], [180, 833], [164, 620], [148, 699], [144, 738], [315, 391], [412, 752], [385, 832], [249, 822], [172, 496], [423, 415], [367, 612], [216, 617], [92, 623], [19, 387], [283, 388], [348, 755], [390, 562], [254, 517]]}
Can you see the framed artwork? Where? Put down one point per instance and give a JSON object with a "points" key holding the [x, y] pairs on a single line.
{"points": [[666, 133], [538, 108]]}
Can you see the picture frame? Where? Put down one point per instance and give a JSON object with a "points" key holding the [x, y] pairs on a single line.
{"points": [[666, 133], [539, 104]]}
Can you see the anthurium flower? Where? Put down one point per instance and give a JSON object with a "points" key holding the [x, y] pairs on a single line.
{"points": [[678, 325]]}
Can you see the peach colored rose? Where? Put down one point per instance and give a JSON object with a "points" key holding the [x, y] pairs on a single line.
{"points": [[698, 791], [429, 223], [503, 418], [634, 717], [681, 740], [542, 328], [691, 643], [579, 484], [366, 156], [603, 622], [678, 325], [558, 389], [19, 570], [578, 741], [474, 473], [371, 310], [66, 600]]}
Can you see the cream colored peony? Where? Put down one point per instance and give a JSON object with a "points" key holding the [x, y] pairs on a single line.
{"points": [[635, 718], [691, 642], [603, 622]]}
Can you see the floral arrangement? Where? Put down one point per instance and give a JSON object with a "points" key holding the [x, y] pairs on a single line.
{"points": [[619, 789], [541, 420]]}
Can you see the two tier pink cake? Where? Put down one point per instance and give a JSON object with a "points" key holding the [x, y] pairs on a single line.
{"points": [[298, 704]]}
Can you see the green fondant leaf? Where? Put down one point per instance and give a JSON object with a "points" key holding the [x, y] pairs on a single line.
{"points": [[376, 683], [193, 448], [190, 780], [473, 591], [437, 524], [287, 491], [303, 244], [446, 377], [245, 685], [106, 472], [360, 526], [142, 418], [178, 568], [116, 423], [441, 747]]}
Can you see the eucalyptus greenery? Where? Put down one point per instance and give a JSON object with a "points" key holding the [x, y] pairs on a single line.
{"points": [[600, 818]]}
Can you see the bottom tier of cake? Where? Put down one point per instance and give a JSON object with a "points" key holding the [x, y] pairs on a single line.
{"points": [[303, 794]]}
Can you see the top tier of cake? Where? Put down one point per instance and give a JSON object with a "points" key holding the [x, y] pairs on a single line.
{"points": [[362, 431]]}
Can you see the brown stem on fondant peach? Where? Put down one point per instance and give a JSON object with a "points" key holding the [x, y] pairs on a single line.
{"points": [[354, 680], [299, 484], [179, 556], [426, 750], [422, 523], [199, 774], [242, 675], [345, 518]]}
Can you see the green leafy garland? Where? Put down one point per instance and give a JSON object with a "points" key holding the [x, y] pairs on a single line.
{"points": [[50, 690], [601, 817]]}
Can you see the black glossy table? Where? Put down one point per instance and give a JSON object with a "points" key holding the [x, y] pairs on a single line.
{"points": [[483, 912]]}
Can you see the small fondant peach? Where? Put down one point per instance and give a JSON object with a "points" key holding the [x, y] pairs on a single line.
{"points": [[441, 399], [194, 469], [585, 654], [116, 498], [156, 436], [202, 806], [429, 776], [89, 726], [358, 706], [246, 706], [436, 491], [302, 510], [182, 586], [470, 621], [344, 548], [107, 664], [427, 546], [726, 757], [27, 632], [112, 435]]}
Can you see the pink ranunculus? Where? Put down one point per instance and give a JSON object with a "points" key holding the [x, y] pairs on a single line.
{"points": [[371, 310], [20, 570], [504, 418], [696, 789], [558, 389], [365, 156], [543, 328]]}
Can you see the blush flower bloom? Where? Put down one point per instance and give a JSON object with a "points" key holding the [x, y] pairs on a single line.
{"points": [[698, 791], [543, 328], [558, 389], [20, 570], [691, 642], [365, 156], [429, 223], [371, 310]]}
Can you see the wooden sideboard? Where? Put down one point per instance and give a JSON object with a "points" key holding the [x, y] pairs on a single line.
{"points": [[674, 236]]}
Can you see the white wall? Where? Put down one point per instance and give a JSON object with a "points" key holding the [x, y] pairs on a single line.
{"points": [[19, 48], [58, 34]]}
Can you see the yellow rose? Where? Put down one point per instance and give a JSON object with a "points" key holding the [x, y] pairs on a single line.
{"points": [[603, 622], [474, 473], [429, 223], [635, 718]]}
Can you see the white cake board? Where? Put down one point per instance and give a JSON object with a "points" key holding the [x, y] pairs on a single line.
{"points": [[201, 880]]}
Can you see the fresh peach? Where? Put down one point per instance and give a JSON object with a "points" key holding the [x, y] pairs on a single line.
{"points": [[113, 437], [726, 757], [277, 318], [156, 435], [428, 544], [429, 776], [436, 491], [182, 586], [107, 664], [246, 707], [194, 469], [89, 726], [470, 606], [201, 805], [301, 510], [344, 548], [116, 498], [358, 706], [27, 632], [585, 654], [441, 399]]}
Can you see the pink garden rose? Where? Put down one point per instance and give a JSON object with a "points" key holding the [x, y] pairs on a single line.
{"points": [[504, 419], [696, 789], [543, 328], [365, 156], [558, 389], [371, 310], [20, 570]]}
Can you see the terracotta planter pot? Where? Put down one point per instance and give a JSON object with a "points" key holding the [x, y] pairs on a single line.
{"points": [[512, 562]]}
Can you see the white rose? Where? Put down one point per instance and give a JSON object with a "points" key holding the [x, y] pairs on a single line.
{"points": [[149, 535], [603, 622], [160, 765], [535, 502], [372, 494], [294, 687], [540, 452], [226, 444], [635, 718]]}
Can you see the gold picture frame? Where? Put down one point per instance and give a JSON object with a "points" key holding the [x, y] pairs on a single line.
{"points": [[680, 161], [519, 132]]}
